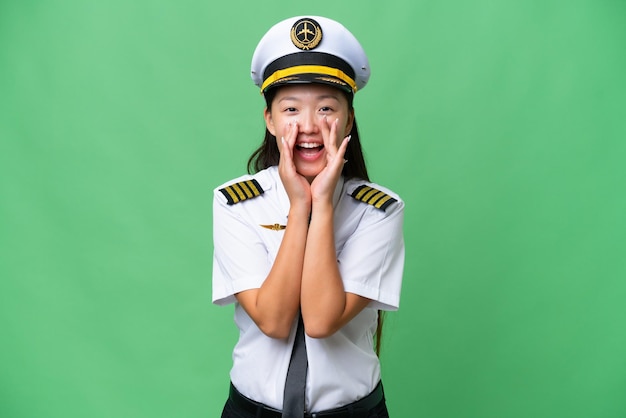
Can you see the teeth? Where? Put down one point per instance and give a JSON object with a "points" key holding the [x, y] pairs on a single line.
{"points": [[309, 145]]}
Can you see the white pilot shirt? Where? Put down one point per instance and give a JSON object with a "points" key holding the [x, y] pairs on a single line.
{"points": [[370, 251]]}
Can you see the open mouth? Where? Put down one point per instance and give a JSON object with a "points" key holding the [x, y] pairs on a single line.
{"points": [[309, 148]]}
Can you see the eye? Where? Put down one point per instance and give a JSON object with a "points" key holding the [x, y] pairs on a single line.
{"points": [[290, 109], [326, 109]]}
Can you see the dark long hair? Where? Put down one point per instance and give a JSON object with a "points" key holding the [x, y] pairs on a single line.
{"points": [[268, 155]]}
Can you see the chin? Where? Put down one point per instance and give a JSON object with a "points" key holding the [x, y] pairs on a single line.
{"points": [[308, 172]]}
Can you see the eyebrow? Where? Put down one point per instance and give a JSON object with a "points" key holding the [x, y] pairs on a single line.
{"points": [[329, 96]]}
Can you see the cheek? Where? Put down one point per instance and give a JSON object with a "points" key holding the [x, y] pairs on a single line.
{"points": [[347, 128], [282, 131], [281, 126], [276, 123]]}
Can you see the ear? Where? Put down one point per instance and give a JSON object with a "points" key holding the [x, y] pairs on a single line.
{"points": [[269, 122], [349, 122]]}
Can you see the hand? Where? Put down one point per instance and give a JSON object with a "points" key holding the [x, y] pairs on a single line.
{"points": [[297, 187], [323, 187]]}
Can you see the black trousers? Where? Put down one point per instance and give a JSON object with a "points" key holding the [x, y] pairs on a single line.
{"points": [[232, 410]]}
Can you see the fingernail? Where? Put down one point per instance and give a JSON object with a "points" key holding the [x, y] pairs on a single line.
{"points": [[348, 138]]}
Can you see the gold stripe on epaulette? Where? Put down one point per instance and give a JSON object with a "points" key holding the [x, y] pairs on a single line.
{"points": [[238, 192], [377, 198]]}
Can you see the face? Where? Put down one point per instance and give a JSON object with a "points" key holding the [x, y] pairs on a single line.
{"points": [[309, 105]]}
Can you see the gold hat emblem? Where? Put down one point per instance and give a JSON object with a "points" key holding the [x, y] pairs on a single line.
{"points": [[306, 34]]}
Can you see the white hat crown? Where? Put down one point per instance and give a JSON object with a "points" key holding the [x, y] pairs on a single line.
{"points": [[309, 49]]}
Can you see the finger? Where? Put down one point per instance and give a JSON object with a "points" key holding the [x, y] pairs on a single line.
{"points": [[327, 136], [284, 147], [288, 141], [292, 133], [339, 158], [334, 134], [288, 144], [341, 152]]}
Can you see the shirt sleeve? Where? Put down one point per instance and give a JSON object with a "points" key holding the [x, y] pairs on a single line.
{"points": [[371, 262], [240, 257]]}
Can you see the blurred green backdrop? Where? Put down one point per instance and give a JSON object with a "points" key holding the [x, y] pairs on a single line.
{"points": [[502, 125]]}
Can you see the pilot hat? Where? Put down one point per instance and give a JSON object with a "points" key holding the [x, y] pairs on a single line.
{"points": [[309, 49]]}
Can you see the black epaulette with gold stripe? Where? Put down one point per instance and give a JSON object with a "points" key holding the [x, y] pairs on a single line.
{"points": [[244, 190], [372, 196]]}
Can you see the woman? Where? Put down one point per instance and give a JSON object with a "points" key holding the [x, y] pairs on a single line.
{"points": [[307, 248]]}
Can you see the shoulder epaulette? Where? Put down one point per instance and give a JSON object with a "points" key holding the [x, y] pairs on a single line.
{"points": [[372, 196], [238, 192]]}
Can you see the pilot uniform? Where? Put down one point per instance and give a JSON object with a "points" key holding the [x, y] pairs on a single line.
{"points": [[249, 218]]}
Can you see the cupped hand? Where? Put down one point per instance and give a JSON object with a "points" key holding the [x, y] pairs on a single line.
{"points": [[323, 187], [297, 187]]}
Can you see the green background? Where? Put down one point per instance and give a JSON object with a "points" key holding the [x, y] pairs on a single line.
{"points": [[501, 124]]}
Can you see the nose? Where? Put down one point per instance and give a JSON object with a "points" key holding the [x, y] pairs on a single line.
{"points": [[308, 123]]}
